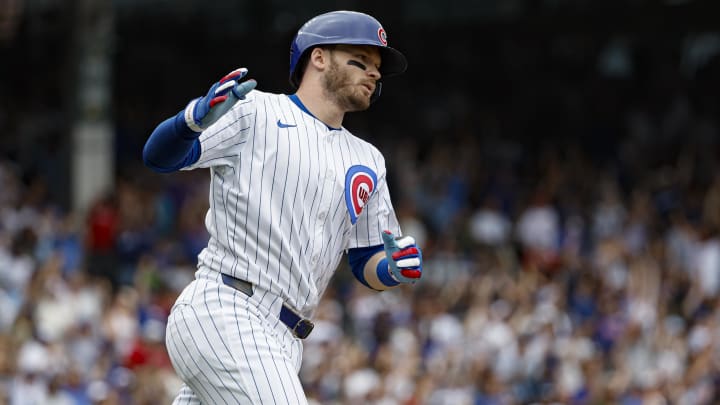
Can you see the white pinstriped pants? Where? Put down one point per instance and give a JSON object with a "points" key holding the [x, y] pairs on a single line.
{"points": [[229, 348]]}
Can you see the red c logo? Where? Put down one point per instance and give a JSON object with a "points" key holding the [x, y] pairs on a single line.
{"points": [[382, 36]]}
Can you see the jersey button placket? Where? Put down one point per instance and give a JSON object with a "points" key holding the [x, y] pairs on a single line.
{"points": [[329, 139]]}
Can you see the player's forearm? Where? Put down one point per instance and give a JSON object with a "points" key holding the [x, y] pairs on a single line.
{"points": [[171, 146], [369, 266], [377, 274]]}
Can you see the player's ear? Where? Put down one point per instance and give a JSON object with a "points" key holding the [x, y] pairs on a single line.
{"points": [[319, 57]]}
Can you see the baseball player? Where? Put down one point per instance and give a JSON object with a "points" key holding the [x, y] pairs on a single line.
{"points": [[291, 190]]}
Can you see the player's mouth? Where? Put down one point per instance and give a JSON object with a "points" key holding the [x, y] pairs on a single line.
{"points": [[369, 87]]}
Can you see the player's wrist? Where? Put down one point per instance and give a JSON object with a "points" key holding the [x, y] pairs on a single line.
{"points": [[189, 116], [181, 127], [384, 274]]}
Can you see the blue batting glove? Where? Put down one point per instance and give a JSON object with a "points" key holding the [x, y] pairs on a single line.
{"points": [[404, 257], [205, 111]]}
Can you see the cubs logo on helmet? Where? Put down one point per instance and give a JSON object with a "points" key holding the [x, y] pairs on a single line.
{"points": [[360, 183], [382, 35]]}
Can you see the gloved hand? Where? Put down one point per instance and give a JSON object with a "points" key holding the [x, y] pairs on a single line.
{"points": [[204, 111], [404, 257]]}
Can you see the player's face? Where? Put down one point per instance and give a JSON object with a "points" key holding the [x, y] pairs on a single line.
{"points": [[352, 75]]}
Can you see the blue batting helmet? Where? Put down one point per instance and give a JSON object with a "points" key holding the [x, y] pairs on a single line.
{"points": [[344, 28]]}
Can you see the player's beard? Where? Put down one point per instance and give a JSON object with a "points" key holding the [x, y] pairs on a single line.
{"points": [[340, 88]]}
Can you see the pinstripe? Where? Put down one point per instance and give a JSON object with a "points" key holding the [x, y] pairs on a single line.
{"points": [[333, 136], [282, 209], [339, 140], [224, 128], [232, 242], [231, 145], [311, 214], [222, 157], [194, 290], [242, 341], [209, 366], [219, 301], [272, 193], [277, 371], [262, 363], [303, 275], [261, 194], [321, 207], [217, 330], [293, 379], [214, 131], [277, 319], [205, 388], [240, 160], [260, 217], [226, 200], [314, 198], [220, 144], [327, 178], [224, 218], [337, 143], [187, 396], [214, 211], [183, 393], [172, 338], [223, 202], [247, 205]]}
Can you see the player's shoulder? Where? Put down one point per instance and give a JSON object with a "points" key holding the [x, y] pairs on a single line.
{"points": [[255, 100], [263, 100], [358, 143], [256, 94]]}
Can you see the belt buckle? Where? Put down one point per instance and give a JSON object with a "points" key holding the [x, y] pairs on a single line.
{"points": [[303, 328]]}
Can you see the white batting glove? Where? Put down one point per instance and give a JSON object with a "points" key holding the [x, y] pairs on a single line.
{"points": [[205, 111], [404, 257]]}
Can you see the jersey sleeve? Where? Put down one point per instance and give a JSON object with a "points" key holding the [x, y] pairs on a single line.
{"points": [[221, 143], [377, 216]]}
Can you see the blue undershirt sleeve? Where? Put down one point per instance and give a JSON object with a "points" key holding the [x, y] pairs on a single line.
{"points": [[358, 258], [171, 146]]}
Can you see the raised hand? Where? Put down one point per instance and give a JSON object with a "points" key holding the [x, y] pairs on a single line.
{"points": [[205, 111]]}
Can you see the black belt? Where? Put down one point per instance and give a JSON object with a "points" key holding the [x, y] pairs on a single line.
{"points": [[299, 326]]}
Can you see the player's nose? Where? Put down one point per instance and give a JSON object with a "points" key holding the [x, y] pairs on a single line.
{"points": [[374, 73]]}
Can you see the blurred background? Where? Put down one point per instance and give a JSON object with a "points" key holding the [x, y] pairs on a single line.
{"points": [[557, 160]]}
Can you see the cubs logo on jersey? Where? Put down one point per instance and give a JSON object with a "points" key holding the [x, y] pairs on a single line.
{"points": [[359, 185]]}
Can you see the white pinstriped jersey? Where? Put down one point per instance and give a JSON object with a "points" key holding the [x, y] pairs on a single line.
{"points": [[287, 196]]}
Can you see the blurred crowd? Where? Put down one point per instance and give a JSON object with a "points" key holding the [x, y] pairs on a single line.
{"points": [[567, 201], [84, 300]]}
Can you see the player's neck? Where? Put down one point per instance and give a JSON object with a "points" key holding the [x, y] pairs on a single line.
{"points": [[321, 107]]}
